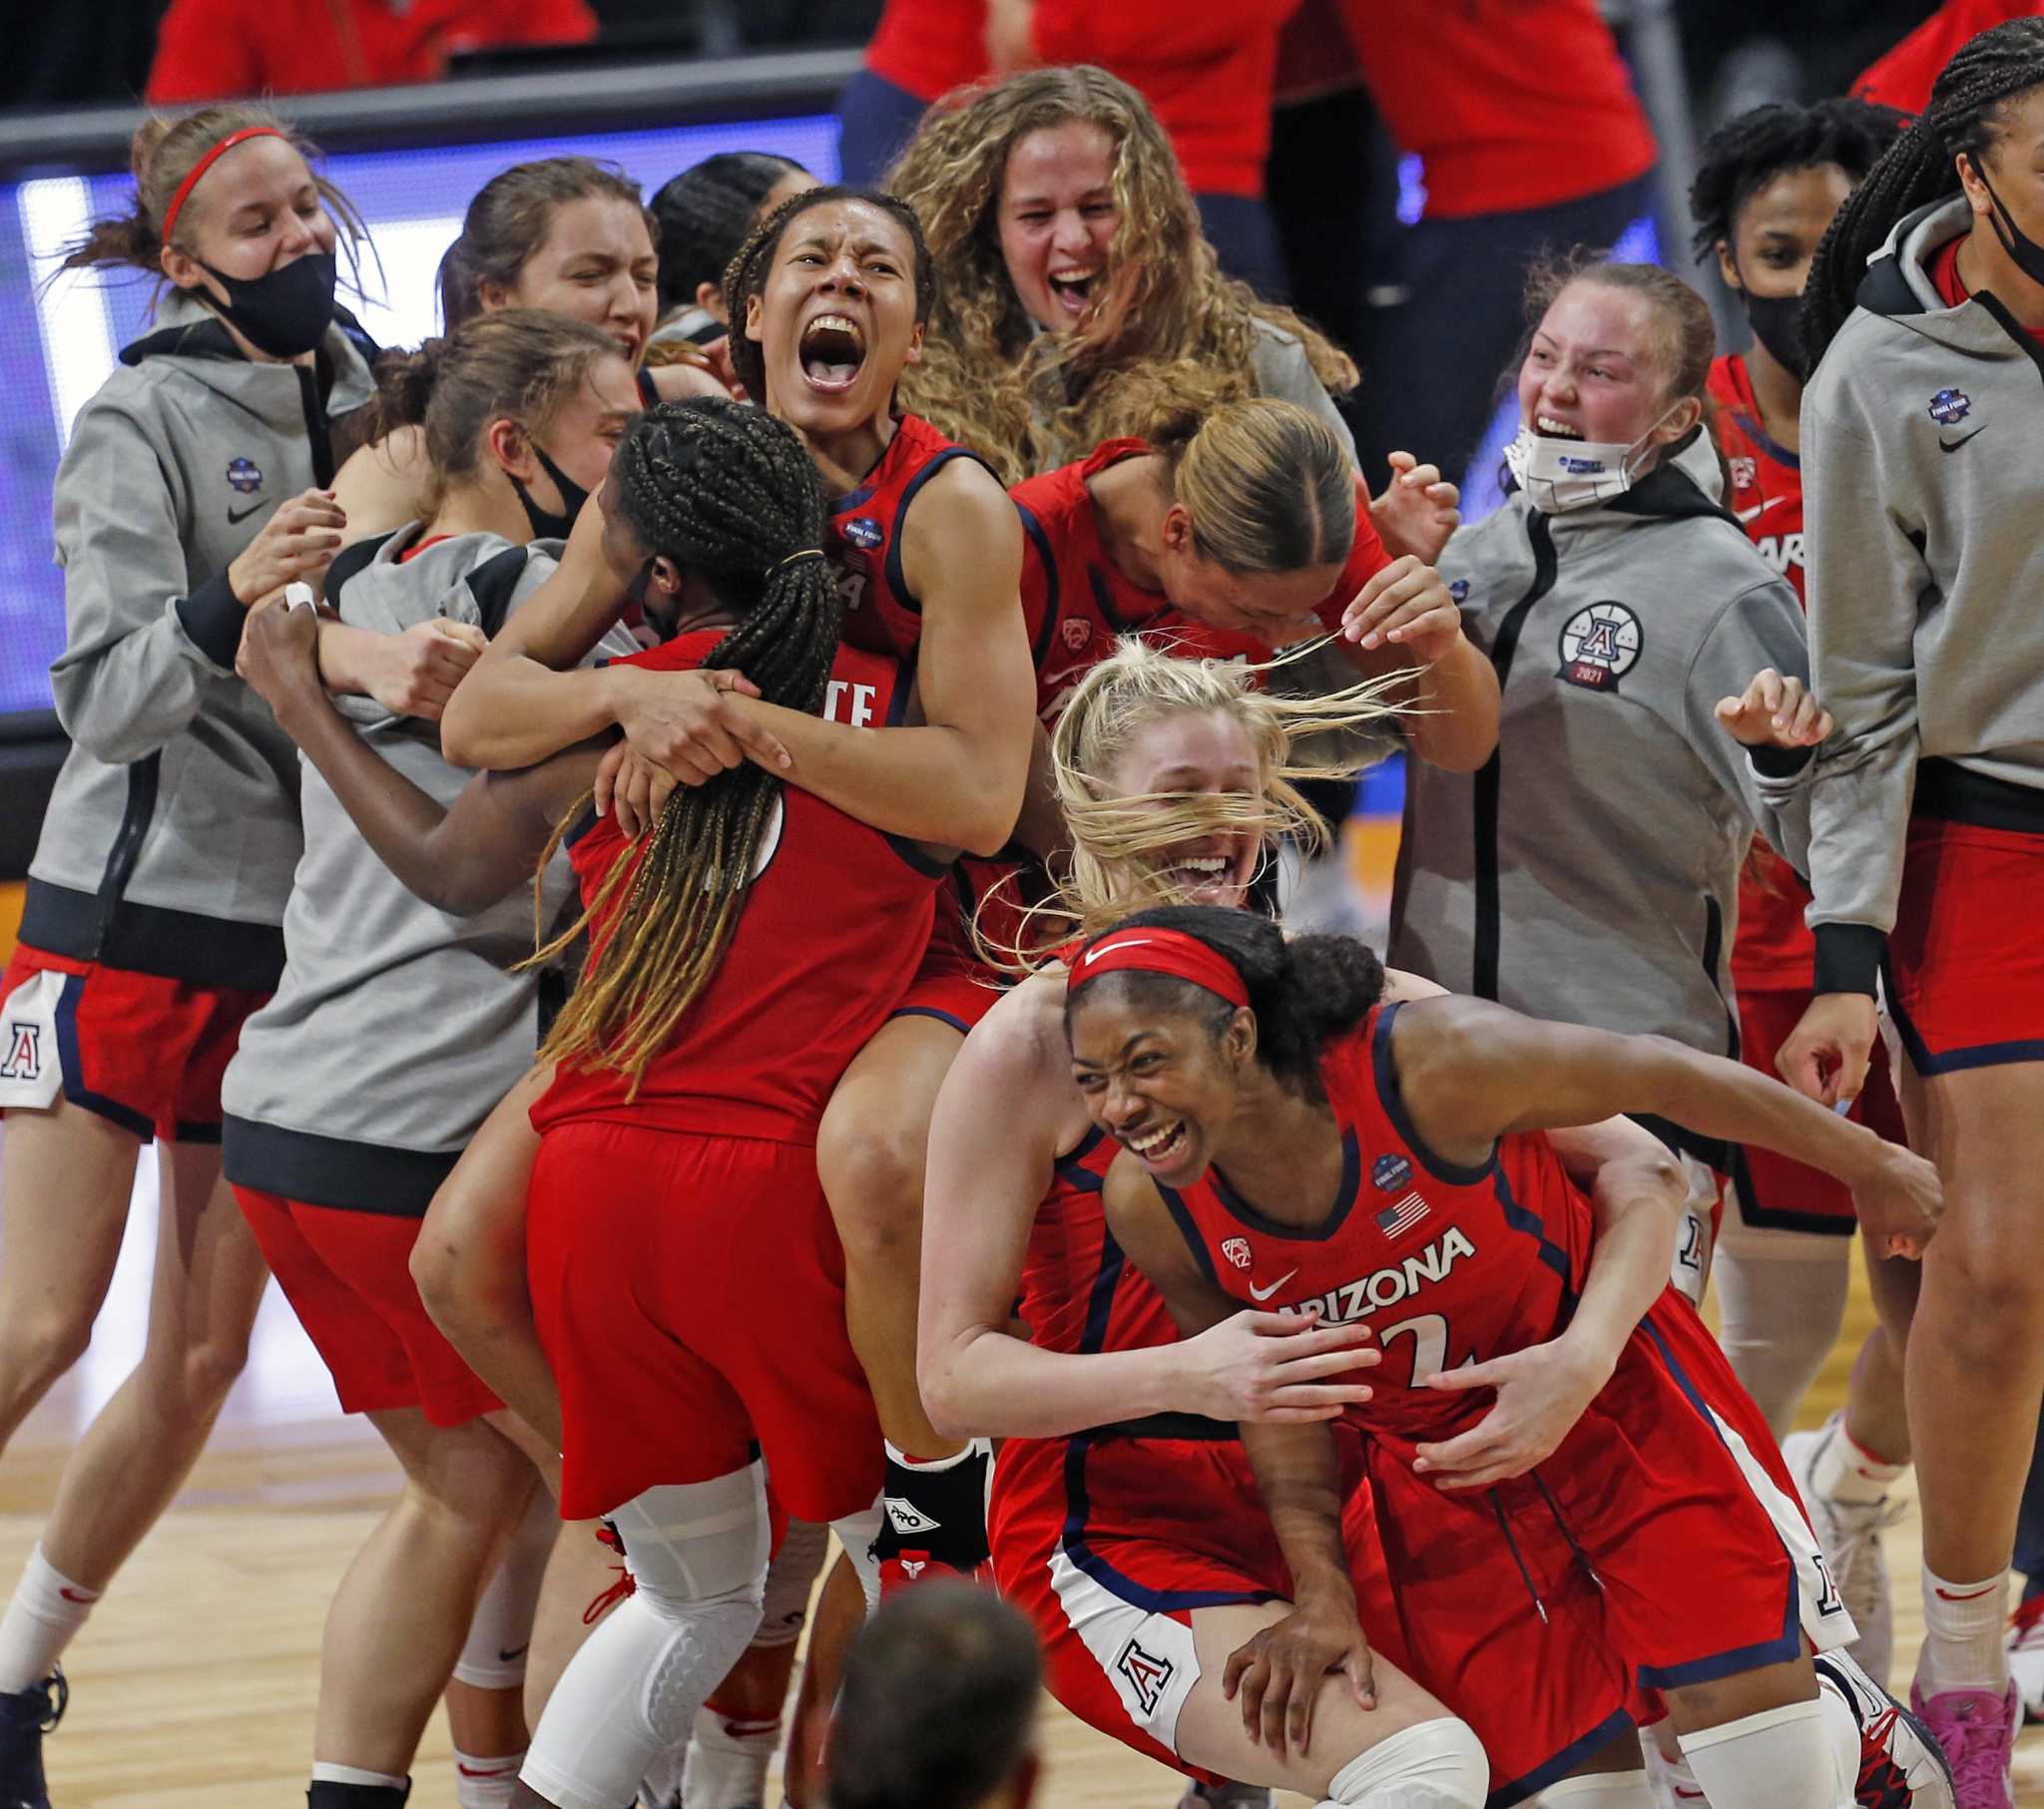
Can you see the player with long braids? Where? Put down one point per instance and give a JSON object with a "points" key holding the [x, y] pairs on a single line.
{"points": [[677, 1086], [1769, 184], [1924, 312], [829, 297]]}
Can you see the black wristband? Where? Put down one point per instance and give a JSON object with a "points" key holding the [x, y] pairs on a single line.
{"points": [[213, 618], [1772, 762], [1848, 957]]}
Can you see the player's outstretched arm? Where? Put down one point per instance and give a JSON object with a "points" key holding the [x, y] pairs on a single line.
{"points": [[1472, 1072], [958, 781], [460, 859]]}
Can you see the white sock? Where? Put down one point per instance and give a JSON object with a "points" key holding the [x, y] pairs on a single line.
{"points": [[728, 1760], [1964, 1624], [1434, 1764], [972, 1449], [1780, 1758], [486, 1783], [324, 1773], [1846, 1471], [47, 1610], [1600, 1790], [500, 1629]]}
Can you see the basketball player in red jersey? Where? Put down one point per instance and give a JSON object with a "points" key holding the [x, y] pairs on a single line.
{"points": [[1769, 184], [1248, 1081], [831, 293]]}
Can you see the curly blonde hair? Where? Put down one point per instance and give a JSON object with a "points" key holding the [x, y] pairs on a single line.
{"points": [[1168, 326]]}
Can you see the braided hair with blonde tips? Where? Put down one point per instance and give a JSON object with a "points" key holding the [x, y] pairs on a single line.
{"points": [[1964, 118], [727, 493]]}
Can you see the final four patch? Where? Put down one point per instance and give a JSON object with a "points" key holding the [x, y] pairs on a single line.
{"points": [[1950, 405], [864, 531], [1459, 589], [1599, 645], [242, 475]]}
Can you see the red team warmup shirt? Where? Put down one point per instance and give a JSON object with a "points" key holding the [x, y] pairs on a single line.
{"points": [[732, 1067]]}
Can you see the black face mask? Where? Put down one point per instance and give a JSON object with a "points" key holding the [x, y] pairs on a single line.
{"points": [[1776, 322], [285, 312], [545, 524], [2023, 251]]}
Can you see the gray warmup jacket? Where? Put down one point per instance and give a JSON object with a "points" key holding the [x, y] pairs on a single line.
{"points": [[169, 839], [1590, 871], [395, 1029], [1923, 524]]}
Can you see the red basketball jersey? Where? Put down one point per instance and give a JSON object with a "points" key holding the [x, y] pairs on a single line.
{"points": [[834, 923], [865, 539], [1447, 1265], [1077, 600], [1774, 950], [1079, 1293]]}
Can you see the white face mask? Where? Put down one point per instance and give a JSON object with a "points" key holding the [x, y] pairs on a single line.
{"points": [[1558, 475]]}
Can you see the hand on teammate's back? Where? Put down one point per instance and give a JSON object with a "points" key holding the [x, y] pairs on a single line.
{"points": [[299, 538], [631, 787], [1275, 1367], [685, 723]]}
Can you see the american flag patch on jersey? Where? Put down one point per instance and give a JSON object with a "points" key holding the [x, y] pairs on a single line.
{"points": [[1398, 1219]]}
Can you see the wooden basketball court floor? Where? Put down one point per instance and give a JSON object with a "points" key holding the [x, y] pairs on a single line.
{"points": [[194, 1683]]}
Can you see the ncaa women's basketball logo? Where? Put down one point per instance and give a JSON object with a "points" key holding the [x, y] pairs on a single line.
{"points": [[1599, 645]]}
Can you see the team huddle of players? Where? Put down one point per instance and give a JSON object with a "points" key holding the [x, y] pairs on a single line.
{"points": [[697, 889]]}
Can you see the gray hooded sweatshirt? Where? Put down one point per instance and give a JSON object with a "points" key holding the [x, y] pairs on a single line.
{"points": [[396, 1028], [1589, 872], [1923, 524], [169, 839]]}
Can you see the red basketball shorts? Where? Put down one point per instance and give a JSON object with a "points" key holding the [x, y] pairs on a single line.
{"points": [[1784, 1194], [142, 1051], [1965, 966], [689, 1292], [348, 1275], [953, 985]]}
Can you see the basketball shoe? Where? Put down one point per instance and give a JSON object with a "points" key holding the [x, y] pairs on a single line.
{"points": [[25, 1716]]}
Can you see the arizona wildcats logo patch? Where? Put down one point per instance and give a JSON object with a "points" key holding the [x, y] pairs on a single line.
{"points": [[1147, 1674], [1950, 405], [22, 1059], [245, 477], [865, 531], [1599, 645]]}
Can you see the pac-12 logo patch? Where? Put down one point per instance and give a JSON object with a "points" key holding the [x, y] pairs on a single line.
{"points": [[1077, 631], [1149, 1675], [1745, 472], [1599, 645], [1950, 405], [1390, 1172], [22, 1059], [243, 476], [865, 531], [1236, 1250]]}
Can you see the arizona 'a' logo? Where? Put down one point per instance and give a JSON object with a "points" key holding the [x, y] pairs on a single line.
{"points": [[1599, 645], [24, 1057], [1149, 1675]]}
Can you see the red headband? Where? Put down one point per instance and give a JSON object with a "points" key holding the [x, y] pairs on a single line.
{"points": [[1146, 949], [205, 164]]}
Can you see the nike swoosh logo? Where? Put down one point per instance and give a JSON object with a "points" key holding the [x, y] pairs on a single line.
{"points": [[1134, 942], [1955, 445], [1757, 509], [485, 1771], [81, 1596], [1969, 1595], [235, 521], [1257, 1293], [515, 1653], [1882, 1724]]}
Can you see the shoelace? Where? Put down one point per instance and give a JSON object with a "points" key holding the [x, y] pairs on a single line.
{"points": [[1976, 1747], [626, 1584]]}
